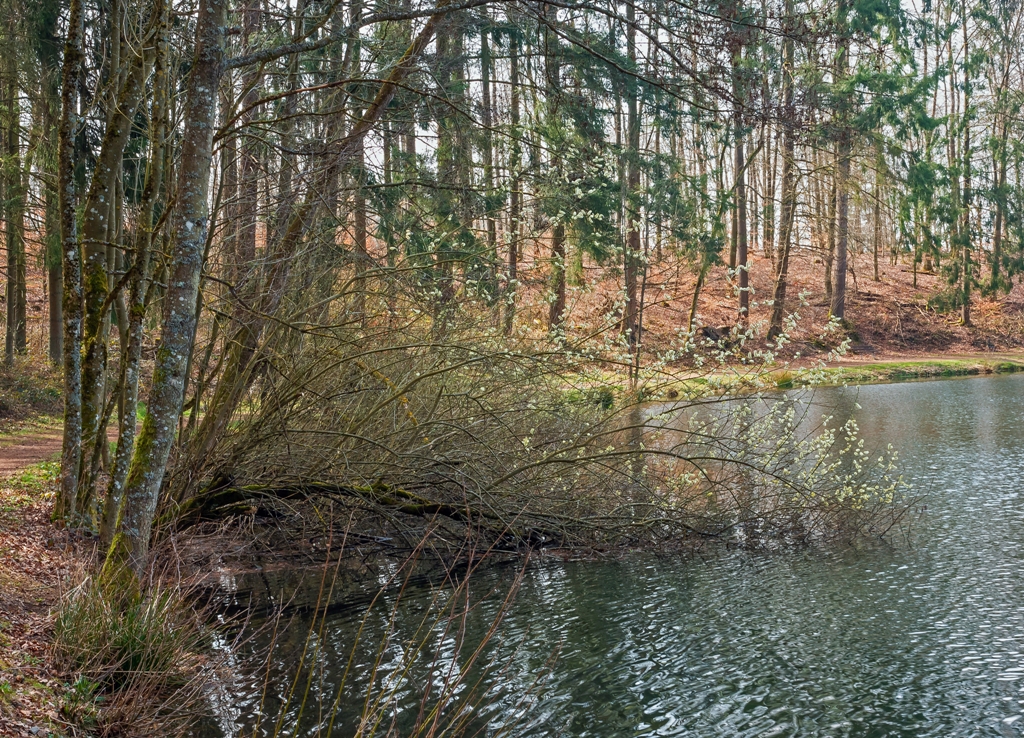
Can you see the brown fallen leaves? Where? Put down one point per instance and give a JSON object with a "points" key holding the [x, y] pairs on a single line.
{"points": [[35, 558]]}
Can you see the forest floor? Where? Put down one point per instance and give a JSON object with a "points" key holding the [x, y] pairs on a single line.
{"points": [[36, 558], [36, 561], [891, 319]]}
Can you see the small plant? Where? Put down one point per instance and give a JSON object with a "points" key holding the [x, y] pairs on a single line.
{"points": [[140, 654], [80, 704], [784, 380]]}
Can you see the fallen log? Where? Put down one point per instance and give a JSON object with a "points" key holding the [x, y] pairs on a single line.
{"points": [[223, 498]]}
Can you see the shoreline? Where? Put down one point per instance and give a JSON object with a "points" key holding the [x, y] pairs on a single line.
{"points": [[871, 370]]}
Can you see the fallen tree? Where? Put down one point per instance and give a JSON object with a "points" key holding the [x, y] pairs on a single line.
{"points": [[528, 448]]}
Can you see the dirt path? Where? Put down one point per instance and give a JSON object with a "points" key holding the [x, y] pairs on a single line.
{"points": [[33, 443], [35, 558], [29, 445]]}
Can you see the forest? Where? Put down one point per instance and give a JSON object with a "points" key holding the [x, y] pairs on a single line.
{"points": [[452, 278]]}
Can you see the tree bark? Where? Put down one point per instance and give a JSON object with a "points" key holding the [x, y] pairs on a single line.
{"points": [[14, 216], [788, 182], [876, 236], [632, 256], [100, 227], [553, 74], [967, 277], [516, 193], [140, 287], [71, 257], [838, 307], [486, 114], [739, 169], [189, 225]]}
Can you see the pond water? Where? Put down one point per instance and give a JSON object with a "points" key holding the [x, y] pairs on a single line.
{"points": [[921, 639]]}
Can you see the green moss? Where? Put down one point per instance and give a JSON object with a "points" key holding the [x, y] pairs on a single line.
{"points": [[603, 397]]}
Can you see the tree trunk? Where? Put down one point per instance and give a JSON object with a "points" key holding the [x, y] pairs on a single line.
{"points": [[838, 309], [999, 166], [967, 277], [140, 287], [876, 237], [516, 194], [788, 182], [361, 256], [739, 167], [100, 227], [248, 166], [842, 182], [14, 216], [771, 164], [189, 223], [632, 254], [553, 74], [71, 256], [486, 116]]}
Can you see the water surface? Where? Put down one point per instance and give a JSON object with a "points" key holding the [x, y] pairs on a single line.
{"points": [[921, 639]]}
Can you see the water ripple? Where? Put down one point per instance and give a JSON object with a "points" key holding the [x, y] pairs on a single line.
{"points": [[921, 640]]}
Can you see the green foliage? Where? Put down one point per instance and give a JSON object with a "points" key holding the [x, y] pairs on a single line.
{"points": [[80, 704], [947, 300], [37, 478]]}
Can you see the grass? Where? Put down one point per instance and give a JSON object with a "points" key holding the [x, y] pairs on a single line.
{"points": [[134, 659], [738, 381], [926, 369], [37, 477], [28, 485]]}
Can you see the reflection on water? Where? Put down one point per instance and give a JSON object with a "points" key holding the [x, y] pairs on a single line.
{"points": [[926, 639]]}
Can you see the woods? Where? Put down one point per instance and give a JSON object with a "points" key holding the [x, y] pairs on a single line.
{"points": [[328, 226], [359, 286]]}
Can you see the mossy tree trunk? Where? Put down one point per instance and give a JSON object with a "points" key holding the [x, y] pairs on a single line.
{"points": [[71, 258], [139, 291], [189, 230], [101, 229]]}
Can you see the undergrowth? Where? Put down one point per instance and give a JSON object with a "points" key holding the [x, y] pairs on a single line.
{"points": [[29, 388], [135, 663]]}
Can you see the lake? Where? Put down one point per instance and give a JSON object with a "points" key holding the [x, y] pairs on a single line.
{"points": [[921, 638]]}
